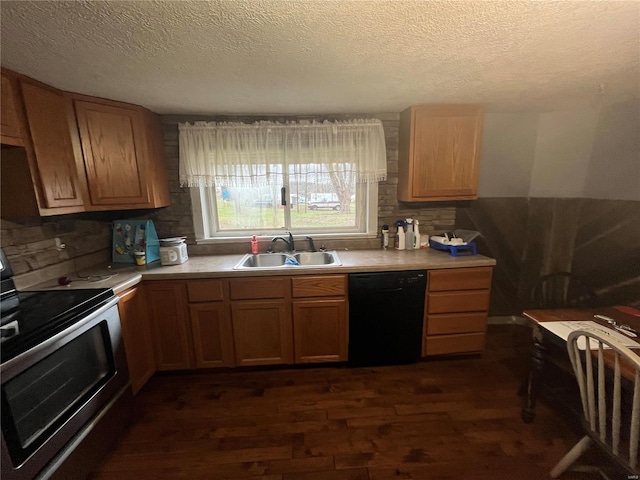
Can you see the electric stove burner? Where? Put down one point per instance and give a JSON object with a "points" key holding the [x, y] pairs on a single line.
{"points": [[39, 315]]}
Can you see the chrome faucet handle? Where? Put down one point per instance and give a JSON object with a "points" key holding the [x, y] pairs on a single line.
{"points": [[322, 248]]}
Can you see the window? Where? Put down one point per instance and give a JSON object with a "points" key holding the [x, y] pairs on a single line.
{"points": [[266, 178]]}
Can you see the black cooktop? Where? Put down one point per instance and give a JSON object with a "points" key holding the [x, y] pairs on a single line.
{"points": [[38, 315]]}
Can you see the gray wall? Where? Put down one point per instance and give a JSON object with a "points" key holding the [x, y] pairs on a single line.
{"points": [[560, 191], [588, 152], [508, 154]]}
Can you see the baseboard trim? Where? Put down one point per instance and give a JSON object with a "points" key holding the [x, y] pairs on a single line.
{"points": [[509, 320]]}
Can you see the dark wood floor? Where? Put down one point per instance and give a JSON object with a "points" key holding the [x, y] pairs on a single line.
{"points": [[440, 419]]}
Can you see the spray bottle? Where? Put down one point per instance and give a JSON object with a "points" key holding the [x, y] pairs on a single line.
{"points": [[400, 241], [408, 238], [385, 237]]}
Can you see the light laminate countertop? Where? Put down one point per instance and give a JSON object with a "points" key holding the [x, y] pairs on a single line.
{"points": [[352, 261], [120, 277]]}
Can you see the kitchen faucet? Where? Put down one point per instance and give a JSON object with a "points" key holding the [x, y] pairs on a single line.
{"points": [[290, 245], [312, 247]]}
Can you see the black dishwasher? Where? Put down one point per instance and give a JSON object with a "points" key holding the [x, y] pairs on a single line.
{"points": [[386, 312]]}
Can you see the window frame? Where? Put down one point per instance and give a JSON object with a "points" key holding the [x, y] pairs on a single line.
{"points": [[203, 205]]}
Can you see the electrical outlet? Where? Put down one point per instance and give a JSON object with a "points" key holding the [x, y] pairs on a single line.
{"points": [[59, 244]]}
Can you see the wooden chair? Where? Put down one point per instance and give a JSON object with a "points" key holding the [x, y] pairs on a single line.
{"points": [[611, 419], [562, 290]]}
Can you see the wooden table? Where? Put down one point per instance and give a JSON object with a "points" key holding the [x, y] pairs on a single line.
{"points": [[548, 347]]}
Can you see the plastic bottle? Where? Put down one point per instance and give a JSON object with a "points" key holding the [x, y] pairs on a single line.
{"points": [[385, 237], [400, 240], [416, 235], [408, 238], [254, 245]]}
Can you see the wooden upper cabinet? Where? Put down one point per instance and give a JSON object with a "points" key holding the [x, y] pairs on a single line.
{"points": [[48, 114], [45, 175], [439, 152], [115, 154], [10, 130], [77, 153]]}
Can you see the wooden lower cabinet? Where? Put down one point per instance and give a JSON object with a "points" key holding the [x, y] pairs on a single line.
{"points": [[460, 343], [212, 335], [450, 323], [456, 309], [169, 315], [320, 330], [136, 335], [262, 332]]}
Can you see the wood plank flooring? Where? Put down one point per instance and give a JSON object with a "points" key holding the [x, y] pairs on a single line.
{"points": [[456, 418]]}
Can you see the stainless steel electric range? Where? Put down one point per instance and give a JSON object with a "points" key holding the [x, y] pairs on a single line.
{"points": [[64, 376]]}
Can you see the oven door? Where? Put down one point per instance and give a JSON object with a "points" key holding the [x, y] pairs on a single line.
{"points": [[51, 391]]}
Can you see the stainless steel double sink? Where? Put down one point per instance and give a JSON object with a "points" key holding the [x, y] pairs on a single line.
{"points": [[288, 260]]}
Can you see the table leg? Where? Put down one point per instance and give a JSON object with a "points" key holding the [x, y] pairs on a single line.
{"points": [[533, 382]]}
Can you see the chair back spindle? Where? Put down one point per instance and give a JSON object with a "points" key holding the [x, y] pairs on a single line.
{"points": [[597, 390]]}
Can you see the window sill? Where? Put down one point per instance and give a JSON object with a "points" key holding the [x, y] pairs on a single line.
{"points": [[319, 237]]}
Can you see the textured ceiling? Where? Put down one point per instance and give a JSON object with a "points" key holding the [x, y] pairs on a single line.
{"points": [[328, 56]]}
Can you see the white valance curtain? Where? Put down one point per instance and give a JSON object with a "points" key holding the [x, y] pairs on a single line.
{"points": [[241, 154]]}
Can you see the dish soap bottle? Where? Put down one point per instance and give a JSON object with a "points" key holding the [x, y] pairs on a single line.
{"points": [[416, 235], [254, 245]]}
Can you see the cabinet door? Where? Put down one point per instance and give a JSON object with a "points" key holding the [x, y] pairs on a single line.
{"points": [[262, 332], [48, 113], [212, 335], [443, 153], [167, 306], [10, 129], [115, 154], [137, 337], [320, 330]]}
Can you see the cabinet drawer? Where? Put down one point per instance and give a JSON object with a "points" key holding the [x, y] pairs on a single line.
{"points": [[319, 286], [456, 323], [444, 344], [475, 278], [465, 301], [205, 290], [259, 287]]}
